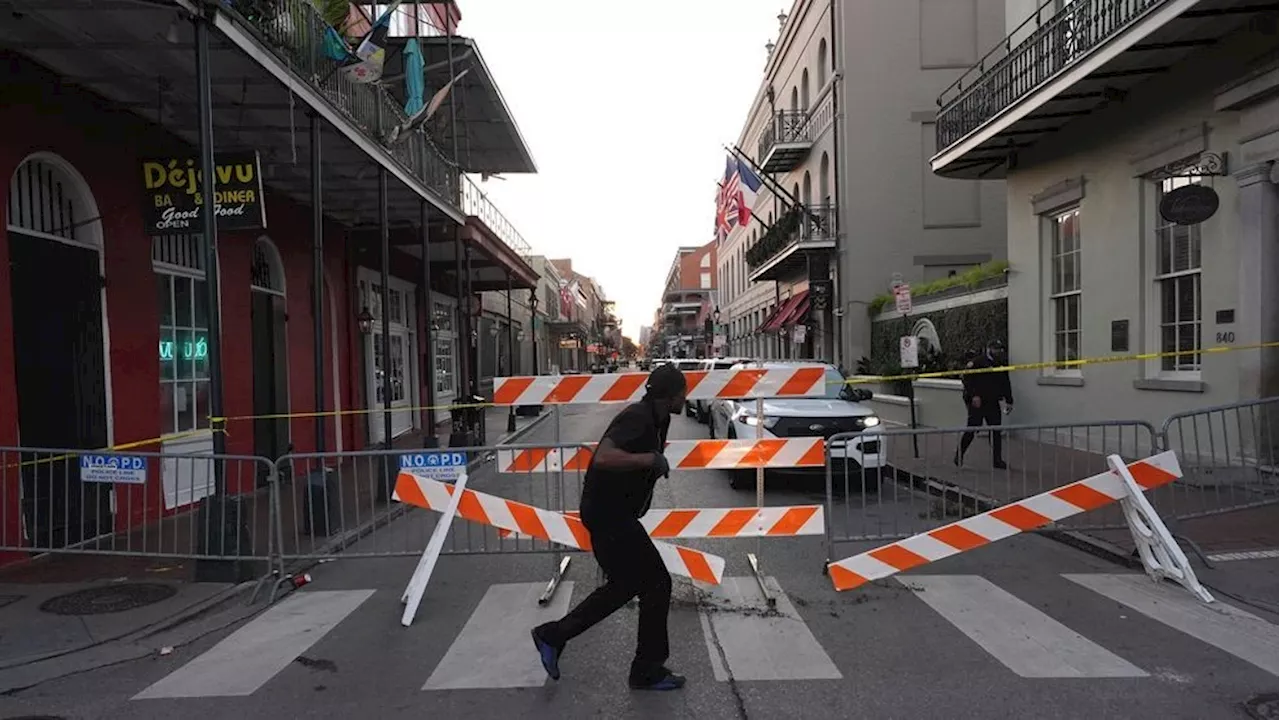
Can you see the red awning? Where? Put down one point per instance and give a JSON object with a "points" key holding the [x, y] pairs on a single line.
{"points": [[799, 313], [774, 323]]}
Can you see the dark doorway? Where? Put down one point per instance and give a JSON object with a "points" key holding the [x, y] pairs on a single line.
{"points": [[270, 386], [56, 290]]}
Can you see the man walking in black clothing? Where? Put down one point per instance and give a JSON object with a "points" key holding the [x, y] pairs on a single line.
{"points": [[616, 493], [983, 395]]}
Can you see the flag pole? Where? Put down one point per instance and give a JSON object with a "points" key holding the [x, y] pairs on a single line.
{"points": [[773, 184]]}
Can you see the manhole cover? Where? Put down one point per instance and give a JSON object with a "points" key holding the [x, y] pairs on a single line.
{"points": [[108, 599]]}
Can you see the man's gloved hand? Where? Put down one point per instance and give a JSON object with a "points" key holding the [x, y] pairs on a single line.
{"points": [[661, 467]]}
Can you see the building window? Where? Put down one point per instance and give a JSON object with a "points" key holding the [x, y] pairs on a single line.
{"points": [[705, 262], [704, 281], [1177, 280], [184, 353], [822, 64], [1064, 267]]}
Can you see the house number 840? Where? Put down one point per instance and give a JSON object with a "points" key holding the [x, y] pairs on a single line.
{"points": [[1226, 338]]}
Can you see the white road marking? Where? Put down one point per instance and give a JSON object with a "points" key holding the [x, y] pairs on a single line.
{"points": [[494, 649], [1025, 640], [1223, 626], [245, 660], [759, 645], [1245, 555]]}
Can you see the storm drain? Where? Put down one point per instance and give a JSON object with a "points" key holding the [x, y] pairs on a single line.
{"points": [[108, 599]]}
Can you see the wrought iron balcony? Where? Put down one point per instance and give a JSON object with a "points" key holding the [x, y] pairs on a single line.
{"points": [[476, 203], [1084, 55], [785, 141], [294, 30], [781, 251]]}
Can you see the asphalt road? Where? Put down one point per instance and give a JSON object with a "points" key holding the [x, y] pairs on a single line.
{"points": [[1023, 628]]}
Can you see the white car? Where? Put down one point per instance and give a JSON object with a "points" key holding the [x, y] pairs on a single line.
{"points": [[841, 411], [702, 408]]}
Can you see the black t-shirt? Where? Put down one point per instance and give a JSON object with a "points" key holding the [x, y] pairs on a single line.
{"points": [[609, 494]]}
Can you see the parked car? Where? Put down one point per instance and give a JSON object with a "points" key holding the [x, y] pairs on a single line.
{"points": [[685, 365], [702, 408], [841, 411]]}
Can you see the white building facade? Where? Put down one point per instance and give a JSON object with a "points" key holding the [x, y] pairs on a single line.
{"points": [[843, 126], [1110, 115]]}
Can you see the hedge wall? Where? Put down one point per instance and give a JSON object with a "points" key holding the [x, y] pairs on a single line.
{"points": [[961, 330]]}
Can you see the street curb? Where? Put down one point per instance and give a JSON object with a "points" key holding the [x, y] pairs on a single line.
{"points": [[970, 500], [354, 535]]}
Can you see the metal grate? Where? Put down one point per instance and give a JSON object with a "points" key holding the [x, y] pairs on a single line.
{"points": [[40, 201], [264, 271], [183, 251]]}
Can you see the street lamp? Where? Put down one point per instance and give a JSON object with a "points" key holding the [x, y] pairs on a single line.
{"points": [[365, 321]]}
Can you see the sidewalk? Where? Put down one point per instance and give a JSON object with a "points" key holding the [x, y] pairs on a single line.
{"points": [[124, 594]]}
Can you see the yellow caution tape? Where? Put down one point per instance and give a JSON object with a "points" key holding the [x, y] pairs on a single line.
{"points": [[1056, 364], [217, 424]]}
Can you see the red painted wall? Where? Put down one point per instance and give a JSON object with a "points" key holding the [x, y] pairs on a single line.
{"points": [[39, 114]]}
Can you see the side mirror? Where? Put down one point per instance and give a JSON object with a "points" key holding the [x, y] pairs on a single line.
{"points": [[862, 395]]}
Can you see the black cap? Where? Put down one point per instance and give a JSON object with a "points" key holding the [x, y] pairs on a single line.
{"points": [[995, 345], [666, 381]]}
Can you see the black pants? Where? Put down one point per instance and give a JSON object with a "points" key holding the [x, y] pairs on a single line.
{"points": [[989, 413], [632, 567]]}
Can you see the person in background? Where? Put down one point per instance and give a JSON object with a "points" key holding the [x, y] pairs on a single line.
{"points": [[986, 396], [616, 493]]}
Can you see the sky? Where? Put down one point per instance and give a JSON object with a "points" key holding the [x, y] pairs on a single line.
{"points": [[626, 108]]}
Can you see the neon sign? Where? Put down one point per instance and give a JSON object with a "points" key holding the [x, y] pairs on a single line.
{"points": [[191, 350]]}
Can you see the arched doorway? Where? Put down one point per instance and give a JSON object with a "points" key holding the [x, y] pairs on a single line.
{"points": [[270, 361], [60, 345]]}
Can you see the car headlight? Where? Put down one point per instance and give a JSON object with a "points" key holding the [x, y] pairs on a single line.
{"points": [[752, 420], [870, 421]]}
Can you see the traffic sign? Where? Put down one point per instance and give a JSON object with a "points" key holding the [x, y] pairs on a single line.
{"points": [[902, 298], [909, 351], [443, 466], [124, 469]]}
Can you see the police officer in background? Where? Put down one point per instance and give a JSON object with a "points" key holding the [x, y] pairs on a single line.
{"points": [[616, 493], [984, 394]]}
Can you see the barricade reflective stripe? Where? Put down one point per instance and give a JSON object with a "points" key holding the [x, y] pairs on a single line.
{"points": [[795, 382], [726, 522], [681, 454], [1000, 523], [542, 524]]}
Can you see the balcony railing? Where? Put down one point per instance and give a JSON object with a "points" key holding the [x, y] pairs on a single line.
{"points": [[296, 32], [476, 202], [814, 224], [785, 140], [1043, 49]]}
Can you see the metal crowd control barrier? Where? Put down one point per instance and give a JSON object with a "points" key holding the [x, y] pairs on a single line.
{"points": [[917, 491], [1229, 460], [65, 501], [743, 454]]}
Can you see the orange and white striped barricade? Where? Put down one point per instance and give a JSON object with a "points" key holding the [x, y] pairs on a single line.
{"points": [[417, 586], [676, 523], [681, 455], [1122, 483], [799, 381], [535, 522], [792, 382]]}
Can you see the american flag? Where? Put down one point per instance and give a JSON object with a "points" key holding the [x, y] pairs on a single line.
{"points": [[735, 197]]}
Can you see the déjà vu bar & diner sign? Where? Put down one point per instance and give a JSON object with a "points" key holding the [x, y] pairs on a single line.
{"points": [[174, 201]]}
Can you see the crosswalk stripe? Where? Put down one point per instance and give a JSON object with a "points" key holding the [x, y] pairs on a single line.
{"points": [[1223, 626], [494, 649], [245, 660], [1025, 640], [756, 645]]}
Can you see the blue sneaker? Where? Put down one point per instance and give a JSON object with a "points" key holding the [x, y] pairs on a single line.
{"points": [[664, 679], [548, 653]]}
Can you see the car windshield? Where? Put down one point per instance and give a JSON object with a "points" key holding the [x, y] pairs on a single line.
{"points": [[837, 388]]}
